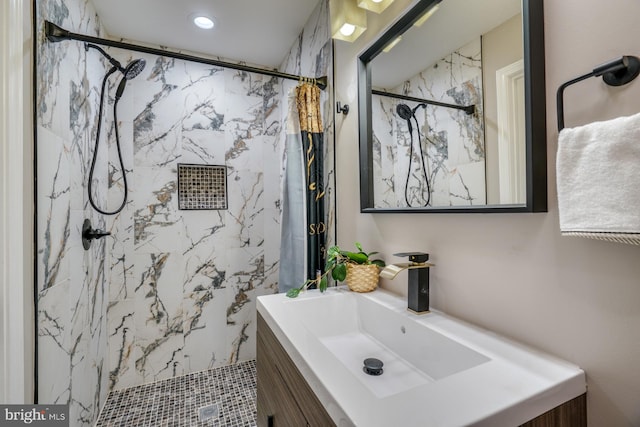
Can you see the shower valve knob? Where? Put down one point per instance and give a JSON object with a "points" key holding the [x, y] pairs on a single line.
{"points": [[89, 234]]}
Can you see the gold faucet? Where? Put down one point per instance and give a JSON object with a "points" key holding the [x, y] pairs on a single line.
{"points": [[391, 271], [418, 292]]}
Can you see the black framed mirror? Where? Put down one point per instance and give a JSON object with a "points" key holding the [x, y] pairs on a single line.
{"points": [[452, 110]]}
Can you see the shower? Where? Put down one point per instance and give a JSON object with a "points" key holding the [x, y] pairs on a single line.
{"points": [[406, 113], [131, 71]]}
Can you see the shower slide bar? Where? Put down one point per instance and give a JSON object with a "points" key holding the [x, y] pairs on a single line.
{"points": [[55, 33], [469, 109], [616, 72]]}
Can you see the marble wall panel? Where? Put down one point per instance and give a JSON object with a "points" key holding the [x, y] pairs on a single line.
{"points": [[72, 283], [121, 343], [205, 337], [54, 385]]}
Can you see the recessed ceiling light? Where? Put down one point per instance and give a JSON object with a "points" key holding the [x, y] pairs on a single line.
{"points": [[203, 22]]}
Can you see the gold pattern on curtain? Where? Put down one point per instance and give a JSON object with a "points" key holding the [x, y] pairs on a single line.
{"points": [[308, 101]]}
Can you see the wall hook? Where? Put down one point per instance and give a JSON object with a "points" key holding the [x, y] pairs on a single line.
{"points": [[344, 109]]}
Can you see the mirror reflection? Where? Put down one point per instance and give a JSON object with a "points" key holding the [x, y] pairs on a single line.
{"points": [[448, 110]]}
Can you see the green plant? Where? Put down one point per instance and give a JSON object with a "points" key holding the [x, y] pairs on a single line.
{"points": [[336, 265]]}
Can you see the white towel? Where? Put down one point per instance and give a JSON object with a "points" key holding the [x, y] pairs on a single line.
{"points": [[598, 175]]}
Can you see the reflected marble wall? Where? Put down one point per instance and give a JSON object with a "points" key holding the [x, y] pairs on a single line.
{"points": [[453, 143], [170, 291]]}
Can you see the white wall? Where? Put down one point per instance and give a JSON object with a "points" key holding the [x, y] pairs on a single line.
{"points": [[513, 273], [16, 211]]}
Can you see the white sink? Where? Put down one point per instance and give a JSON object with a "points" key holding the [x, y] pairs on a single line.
{"points": [[354, 329], [437, 370]]}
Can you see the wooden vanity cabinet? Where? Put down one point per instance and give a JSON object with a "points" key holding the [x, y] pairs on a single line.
{"points": [[286, 400], [284, 397], [570, 414]]}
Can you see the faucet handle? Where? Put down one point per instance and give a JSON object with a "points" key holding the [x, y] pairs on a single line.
{"points": [[414, 256]]}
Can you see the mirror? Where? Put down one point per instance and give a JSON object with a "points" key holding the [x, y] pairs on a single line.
{"points": [[452, 110]]}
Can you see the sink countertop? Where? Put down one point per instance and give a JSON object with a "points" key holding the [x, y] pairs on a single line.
{"points": [[514, 384]]}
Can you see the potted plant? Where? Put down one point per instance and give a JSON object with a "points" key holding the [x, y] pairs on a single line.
{"points": [[360, 272]]}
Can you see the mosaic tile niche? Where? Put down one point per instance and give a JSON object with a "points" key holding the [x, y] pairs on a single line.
{"points": [[202, 187]]}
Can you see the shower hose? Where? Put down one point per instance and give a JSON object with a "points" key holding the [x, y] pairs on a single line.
{"points": [[97, 144], [424, 168]]}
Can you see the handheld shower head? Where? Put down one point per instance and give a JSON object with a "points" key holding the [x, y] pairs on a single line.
{"points": [[131, 71], [134, 68]]}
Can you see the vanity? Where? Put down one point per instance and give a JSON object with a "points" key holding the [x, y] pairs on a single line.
{"points": [[438, 370]]}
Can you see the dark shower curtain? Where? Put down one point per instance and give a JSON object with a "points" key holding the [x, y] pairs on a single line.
{"points": [[308, 103]]}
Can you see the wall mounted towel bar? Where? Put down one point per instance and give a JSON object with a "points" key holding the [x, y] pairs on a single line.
{"points": [[616, 72]]}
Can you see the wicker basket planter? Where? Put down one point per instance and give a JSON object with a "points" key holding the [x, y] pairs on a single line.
{"points": [[357, 269], [362, 277]]}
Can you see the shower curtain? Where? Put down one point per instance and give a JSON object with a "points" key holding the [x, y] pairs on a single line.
{"points": [[303, 227], [308, 101], [292, 225]]}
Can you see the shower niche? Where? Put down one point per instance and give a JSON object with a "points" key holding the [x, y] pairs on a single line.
{"points": [[202, 187]]}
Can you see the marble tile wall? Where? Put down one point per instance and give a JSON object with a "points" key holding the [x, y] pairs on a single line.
{"points": [[170, 291], [184, 283], [453, 142], [72, 287]]}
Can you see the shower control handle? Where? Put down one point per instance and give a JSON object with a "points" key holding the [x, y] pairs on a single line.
{"points": [[89, 234]]}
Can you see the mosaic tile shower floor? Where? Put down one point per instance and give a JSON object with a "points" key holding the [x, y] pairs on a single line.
{"points": [[221, 397]]}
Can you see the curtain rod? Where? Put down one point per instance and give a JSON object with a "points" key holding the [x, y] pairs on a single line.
{"points": [[55, 33], [469, 109]]}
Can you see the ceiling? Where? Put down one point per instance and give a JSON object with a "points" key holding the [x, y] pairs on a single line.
{"points": [[455, 24], [254, 31]]}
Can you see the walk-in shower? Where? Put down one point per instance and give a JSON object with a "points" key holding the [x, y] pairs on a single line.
{"points": [[172, 292]]}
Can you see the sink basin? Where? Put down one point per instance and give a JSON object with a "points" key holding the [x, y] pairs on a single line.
{"points": [[437, 370], [354, 329]]}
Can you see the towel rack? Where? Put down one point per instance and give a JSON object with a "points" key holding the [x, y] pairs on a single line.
{"points": [[616, 72]]}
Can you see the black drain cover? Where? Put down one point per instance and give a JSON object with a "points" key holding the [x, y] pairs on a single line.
{"points": [[373, 366]]}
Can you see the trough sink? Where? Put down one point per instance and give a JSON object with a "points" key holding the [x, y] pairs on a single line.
{"points": [[438, 370]]}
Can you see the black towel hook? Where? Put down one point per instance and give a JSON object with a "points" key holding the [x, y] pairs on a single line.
{"points": [[616, 72]]}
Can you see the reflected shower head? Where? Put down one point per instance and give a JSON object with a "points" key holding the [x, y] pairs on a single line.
{"points": [[134, 68], [404, 111]]}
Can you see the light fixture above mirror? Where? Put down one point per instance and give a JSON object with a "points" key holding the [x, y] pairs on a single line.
{"points": [[348, 21], [375, 6]]}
